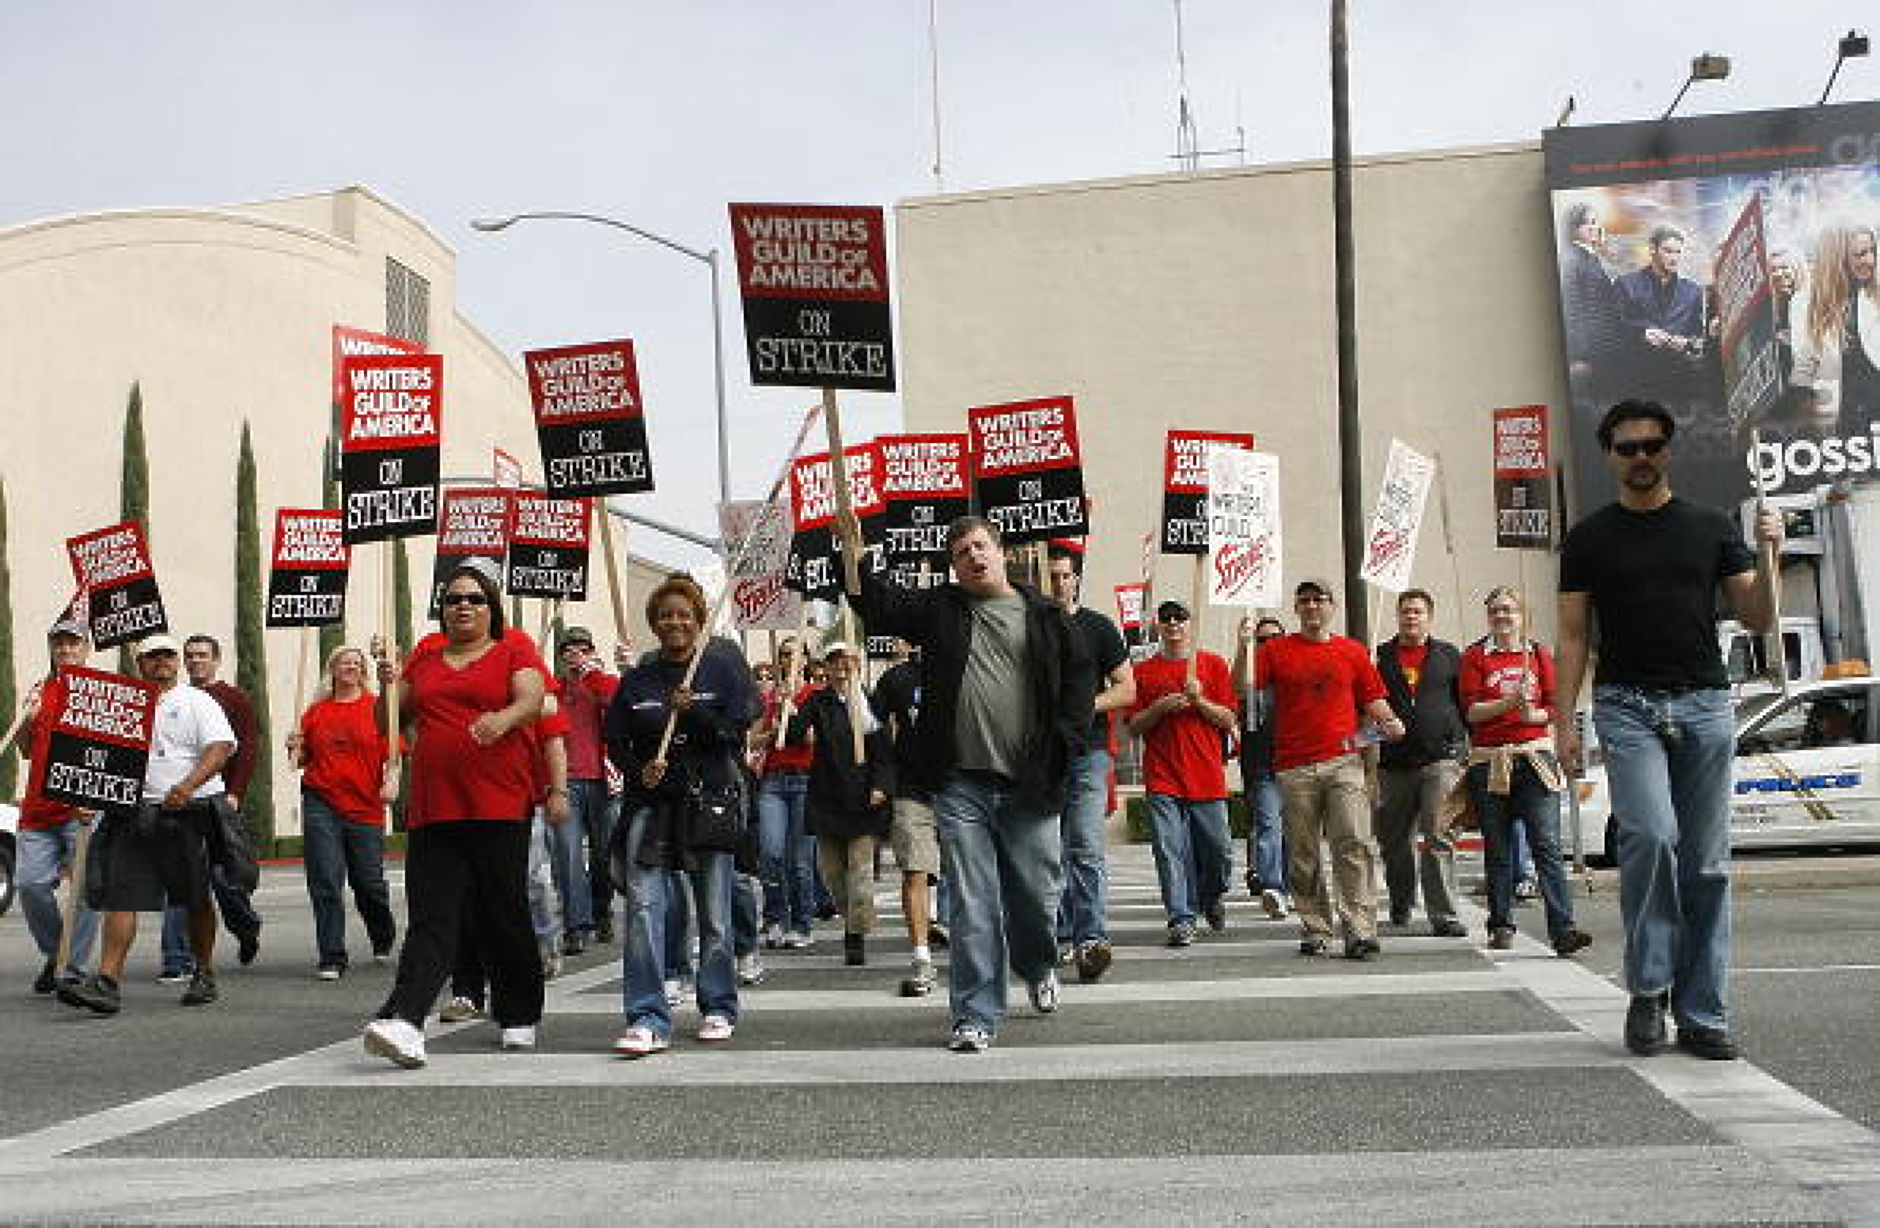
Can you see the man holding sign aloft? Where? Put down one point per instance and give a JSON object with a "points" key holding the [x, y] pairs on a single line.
{"points": [[1008, 702]]}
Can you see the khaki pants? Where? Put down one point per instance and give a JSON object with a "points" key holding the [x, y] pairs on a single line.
{"points": [[848, 870], [1328, 803]]}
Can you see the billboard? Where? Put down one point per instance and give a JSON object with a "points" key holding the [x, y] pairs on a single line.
{"points": [[1723, 266]]}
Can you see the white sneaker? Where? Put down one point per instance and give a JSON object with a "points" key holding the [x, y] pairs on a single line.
{"points": [[1274, 903], [675, 993], [794, 941], [459, 1010], [715, 1027], [1044, 994], [396, 1041], [969, 1039], [515, 1040], [750, 971], [639, 1042], [330, 972], [773, 937]]}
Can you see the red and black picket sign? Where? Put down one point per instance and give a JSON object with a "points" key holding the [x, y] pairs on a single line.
{"points": [[589, 419], [814, 280], [471, 524], [1130, 599], [307, 574], [1027, 478], [924, 483], [1185, 487], [548, 547], [92, 740], [815, 552], [112, 567], [354, 343], [1523, 495], [390, 434]]}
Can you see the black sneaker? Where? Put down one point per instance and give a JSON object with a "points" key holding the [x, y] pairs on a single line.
{"points": [[47, 980], [246, 948], [1093, 960], [853, 952], [1215, 915], [936, 936], [1711, 1043], [604, 929], [1357, 947], [1571, 941], [99, 995], [1181, 934], [1400, 917], [202, 990], [1449, 927], [1645, 1023], [1312, 946], [573, 944]]}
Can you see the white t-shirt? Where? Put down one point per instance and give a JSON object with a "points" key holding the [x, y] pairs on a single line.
{"points": [[188, 721]]}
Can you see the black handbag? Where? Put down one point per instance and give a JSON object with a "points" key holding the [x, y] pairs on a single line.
{"points": [[231, 847], [716, 813]]}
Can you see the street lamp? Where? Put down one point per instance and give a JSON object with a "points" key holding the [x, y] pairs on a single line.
{"points": [[708, 258], [1853, 47], [1704, 67]]}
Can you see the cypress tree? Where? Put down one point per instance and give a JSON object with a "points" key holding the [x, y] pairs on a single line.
{"points": [[251, 656], [333, 634], [9, 693], [134, 488]]}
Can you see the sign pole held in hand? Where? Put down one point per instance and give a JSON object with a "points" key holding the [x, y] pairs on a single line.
{"points": [[387, 583], [1197, 614], [839, 478], [1772, 567], [615, 601]]}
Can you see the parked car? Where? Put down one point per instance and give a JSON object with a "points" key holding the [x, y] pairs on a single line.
{"points": [[9, 853], [1807, 772]]}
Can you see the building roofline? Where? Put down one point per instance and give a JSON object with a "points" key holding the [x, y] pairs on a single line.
{"points": [[187, 213], [1166, 178]]}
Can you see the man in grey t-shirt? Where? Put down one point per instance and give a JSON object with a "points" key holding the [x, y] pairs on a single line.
{"points": [[1006, 704]]}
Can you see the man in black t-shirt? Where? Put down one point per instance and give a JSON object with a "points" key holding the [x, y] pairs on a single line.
{"points": [[1080, 919], [1646, 571], [913, 833]]}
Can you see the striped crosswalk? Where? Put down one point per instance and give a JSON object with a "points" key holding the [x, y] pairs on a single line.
{"points": [[1233, 1080]]}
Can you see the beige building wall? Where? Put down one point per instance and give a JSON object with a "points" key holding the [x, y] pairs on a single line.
{"points": [[1206, 301], [222, 315]]}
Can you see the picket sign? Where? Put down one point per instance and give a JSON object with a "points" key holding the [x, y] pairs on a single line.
{"points": [[736, 557]]}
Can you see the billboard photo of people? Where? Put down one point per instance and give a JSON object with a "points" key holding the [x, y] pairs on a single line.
{"points": [[1669, 230]]}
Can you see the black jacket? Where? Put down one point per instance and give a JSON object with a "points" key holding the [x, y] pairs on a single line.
{"points": [[839, 786], [896, 704], [940, 621], [1434, 727]]}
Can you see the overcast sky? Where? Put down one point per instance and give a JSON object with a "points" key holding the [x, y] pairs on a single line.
{"points": [[660, 113]]}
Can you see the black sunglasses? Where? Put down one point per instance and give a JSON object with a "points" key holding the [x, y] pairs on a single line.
{"points": [[463, 599], [1641, 447]]}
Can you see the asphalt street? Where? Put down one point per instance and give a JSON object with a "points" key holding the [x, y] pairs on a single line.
{"points": [[1232, 1081]]}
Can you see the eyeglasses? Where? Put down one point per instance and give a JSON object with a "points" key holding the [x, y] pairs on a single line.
{"points": [[1265, 639], [1641, 447], [1171, 618], [1312, 599], [463, 599]]}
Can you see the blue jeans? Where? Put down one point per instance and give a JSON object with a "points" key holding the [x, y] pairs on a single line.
{"points": [[1521, 857], [1266, 834], [335, 850], [568, 862], [1529, 806], [644, 958], [1003, 862], [1668, 761], [238, 917], [1194, 854], [744, 911], [41, 856], [787, 851], [1080, 828]]}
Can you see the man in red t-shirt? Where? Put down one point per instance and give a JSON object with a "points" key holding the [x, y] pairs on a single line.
{"points": [[1182, 720], [585, 887], [1320, 681], [48, 838]]}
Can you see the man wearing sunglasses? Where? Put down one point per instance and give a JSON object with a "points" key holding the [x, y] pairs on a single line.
{"points": [[1647, 569]]}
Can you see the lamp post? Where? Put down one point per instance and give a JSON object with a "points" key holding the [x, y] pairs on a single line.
{"points": [[1704, 67], [708, 258], [1853, 46], [1350, 435]]}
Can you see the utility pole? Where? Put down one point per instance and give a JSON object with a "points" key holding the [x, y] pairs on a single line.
{"points": [[1350, 445]]}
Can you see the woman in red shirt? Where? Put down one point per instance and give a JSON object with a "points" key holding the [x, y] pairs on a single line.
{"points": [[1507, 688], [345, 782], [472, 696]]}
